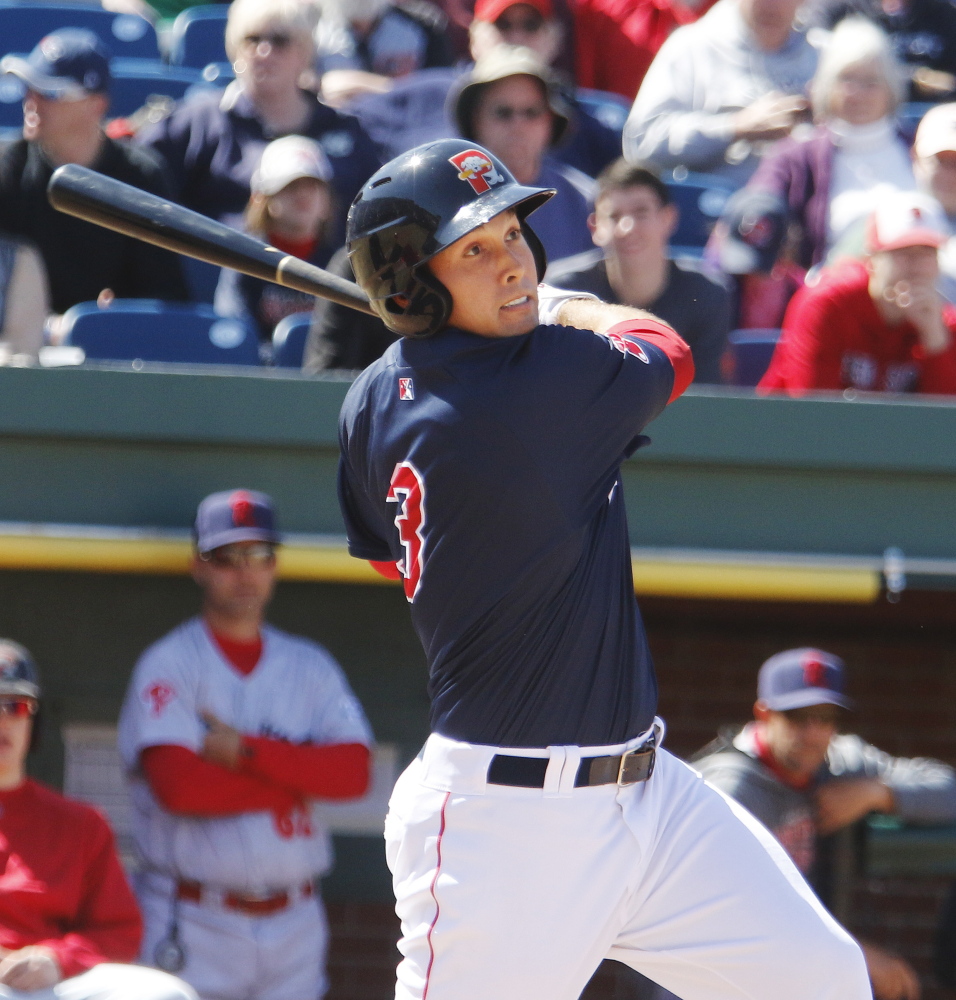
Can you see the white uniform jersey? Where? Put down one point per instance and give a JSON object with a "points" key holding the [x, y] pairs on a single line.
{"points": [[297, 692]]}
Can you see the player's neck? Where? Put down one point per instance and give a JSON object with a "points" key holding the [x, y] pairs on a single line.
{"points": [[82, 149], [245, 628], [638, 280]]}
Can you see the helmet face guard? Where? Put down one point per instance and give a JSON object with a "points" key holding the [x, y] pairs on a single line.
{"points": [[416, 206]]}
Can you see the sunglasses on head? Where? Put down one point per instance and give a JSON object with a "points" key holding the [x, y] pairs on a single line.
{"points": [[18, 708], [234, 556], [277, 41], [503, 113]]}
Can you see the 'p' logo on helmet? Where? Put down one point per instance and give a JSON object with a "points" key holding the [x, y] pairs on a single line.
{"points": [[475, 168]]}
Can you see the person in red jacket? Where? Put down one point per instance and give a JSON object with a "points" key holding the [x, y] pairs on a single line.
{"points": [[230, 731], [877, 324], [67, 915]]}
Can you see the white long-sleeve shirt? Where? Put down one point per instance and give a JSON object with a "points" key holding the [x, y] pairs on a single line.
{"points": [[704, 73]]}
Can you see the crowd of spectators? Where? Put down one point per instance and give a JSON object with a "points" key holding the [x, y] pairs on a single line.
{"points": [[804, 110]]}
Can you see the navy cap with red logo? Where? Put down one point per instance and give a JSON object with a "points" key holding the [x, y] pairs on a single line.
{"points": [[235, 516], [798, 678], [18, 672]]}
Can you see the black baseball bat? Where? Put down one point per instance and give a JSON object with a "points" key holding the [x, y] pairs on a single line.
{"points": [[111, 203]]}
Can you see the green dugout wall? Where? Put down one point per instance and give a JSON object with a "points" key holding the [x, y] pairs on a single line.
{"points": [[745, 512]]}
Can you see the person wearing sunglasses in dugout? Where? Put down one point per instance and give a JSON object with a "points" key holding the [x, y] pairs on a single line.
{"points": [[230, 732], [509, 104], [804, 780], [68, 920]]}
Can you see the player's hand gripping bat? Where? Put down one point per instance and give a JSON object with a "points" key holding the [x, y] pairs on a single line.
{"points": [[107, 202]]}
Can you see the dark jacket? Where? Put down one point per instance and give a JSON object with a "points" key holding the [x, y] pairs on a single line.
{"points": [[213, 144], [82, 259], [695, 304]]}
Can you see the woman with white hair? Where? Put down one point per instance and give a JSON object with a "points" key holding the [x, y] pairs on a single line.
{"points": [[837, 175], [213, 143]]}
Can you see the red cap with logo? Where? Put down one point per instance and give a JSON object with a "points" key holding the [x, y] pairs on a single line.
{"points": [[906, 219], [491, 10]]}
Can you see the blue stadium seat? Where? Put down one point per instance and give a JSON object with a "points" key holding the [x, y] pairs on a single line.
{"points": [[148, 330], [201, 279], [700, 199], [609, 109], [198, 38], [288, 340], [750, 354], [23, 24]]}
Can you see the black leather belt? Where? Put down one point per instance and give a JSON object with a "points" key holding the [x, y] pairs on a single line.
{"points": [[528, 772]]}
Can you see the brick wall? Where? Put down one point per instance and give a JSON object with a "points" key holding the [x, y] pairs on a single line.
{"points": [[902, 663]]}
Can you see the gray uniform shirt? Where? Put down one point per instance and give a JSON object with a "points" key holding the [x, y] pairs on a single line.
{"points": [[924, 789]]}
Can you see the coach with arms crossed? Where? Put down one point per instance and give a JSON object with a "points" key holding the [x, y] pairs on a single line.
{"points": [[230, 731]]}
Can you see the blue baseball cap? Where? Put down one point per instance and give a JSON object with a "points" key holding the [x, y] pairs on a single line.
{"points": [[235, 516], [798, 678], [18, 672], [68, 64]]}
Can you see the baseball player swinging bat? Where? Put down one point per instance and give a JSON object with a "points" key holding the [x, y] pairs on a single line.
{"points": [[107, 202]]}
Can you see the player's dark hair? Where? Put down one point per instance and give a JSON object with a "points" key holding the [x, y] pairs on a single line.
{"points": [[621, 175]]}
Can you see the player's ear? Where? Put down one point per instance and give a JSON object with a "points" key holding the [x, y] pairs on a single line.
{"points": [[761, 712]]}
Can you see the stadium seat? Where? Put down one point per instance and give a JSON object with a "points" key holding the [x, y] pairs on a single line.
{"points": [[198, 38], [609, 109], [288, 340], [23, 24], [750, 354], [700, 198], [147, 330], [202, 279]]}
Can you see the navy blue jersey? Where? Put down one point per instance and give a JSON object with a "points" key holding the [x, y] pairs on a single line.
{"points": [[491, 468]]}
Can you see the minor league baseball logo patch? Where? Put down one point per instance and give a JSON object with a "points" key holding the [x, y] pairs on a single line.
{"points": [[406, 388], [158, 695], [475, 168]]}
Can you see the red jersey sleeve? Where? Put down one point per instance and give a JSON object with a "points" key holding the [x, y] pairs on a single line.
{"points": [[185, 783], [666, 339], [337, 771], [809, 354], [108, 925]]}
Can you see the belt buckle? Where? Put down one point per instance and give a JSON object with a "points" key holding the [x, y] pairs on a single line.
{"points": [[636, 765]]}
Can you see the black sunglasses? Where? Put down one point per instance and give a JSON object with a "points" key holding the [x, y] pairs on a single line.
{"points": [[276, 41]]}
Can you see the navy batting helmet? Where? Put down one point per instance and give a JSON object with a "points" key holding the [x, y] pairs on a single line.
{"points": [[18, 672], [415, 206]]}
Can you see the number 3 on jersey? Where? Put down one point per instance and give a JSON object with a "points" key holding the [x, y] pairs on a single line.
{"points": [[408, 491]]}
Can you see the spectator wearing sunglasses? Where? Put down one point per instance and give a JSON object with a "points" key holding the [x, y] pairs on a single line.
{"points": [[509, 104], [213, 143], [68, 920], [805, 780], [231, 731]]}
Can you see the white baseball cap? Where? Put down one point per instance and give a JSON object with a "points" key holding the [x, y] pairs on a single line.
{"points": [[937, 131], [286, 160], [906, 219]]}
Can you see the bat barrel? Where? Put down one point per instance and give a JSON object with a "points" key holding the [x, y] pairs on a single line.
{"points": [[125, 209]]}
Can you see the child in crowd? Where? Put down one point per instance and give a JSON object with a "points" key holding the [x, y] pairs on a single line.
{"points": [[291, 207]]}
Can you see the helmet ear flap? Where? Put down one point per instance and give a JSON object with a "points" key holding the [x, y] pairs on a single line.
{"points": [[421, 310], [537, 249]]}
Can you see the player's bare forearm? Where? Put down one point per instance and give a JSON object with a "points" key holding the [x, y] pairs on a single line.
{"points": [[590, 314]]}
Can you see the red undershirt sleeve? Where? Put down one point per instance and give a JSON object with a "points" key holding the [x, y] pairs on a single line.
{"points": [[388, 569], [666, 339], [337, 771], [185, 783]]}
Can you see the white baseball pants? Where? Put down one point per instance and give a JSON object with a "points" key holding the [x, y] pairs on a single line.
{"points": [[233, 956], [518, 894], [110, 981]]}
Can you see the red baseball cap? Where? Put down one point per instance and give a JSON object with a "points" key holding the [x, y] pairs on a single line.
{"points": [[491, 10], [906, 219]]}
